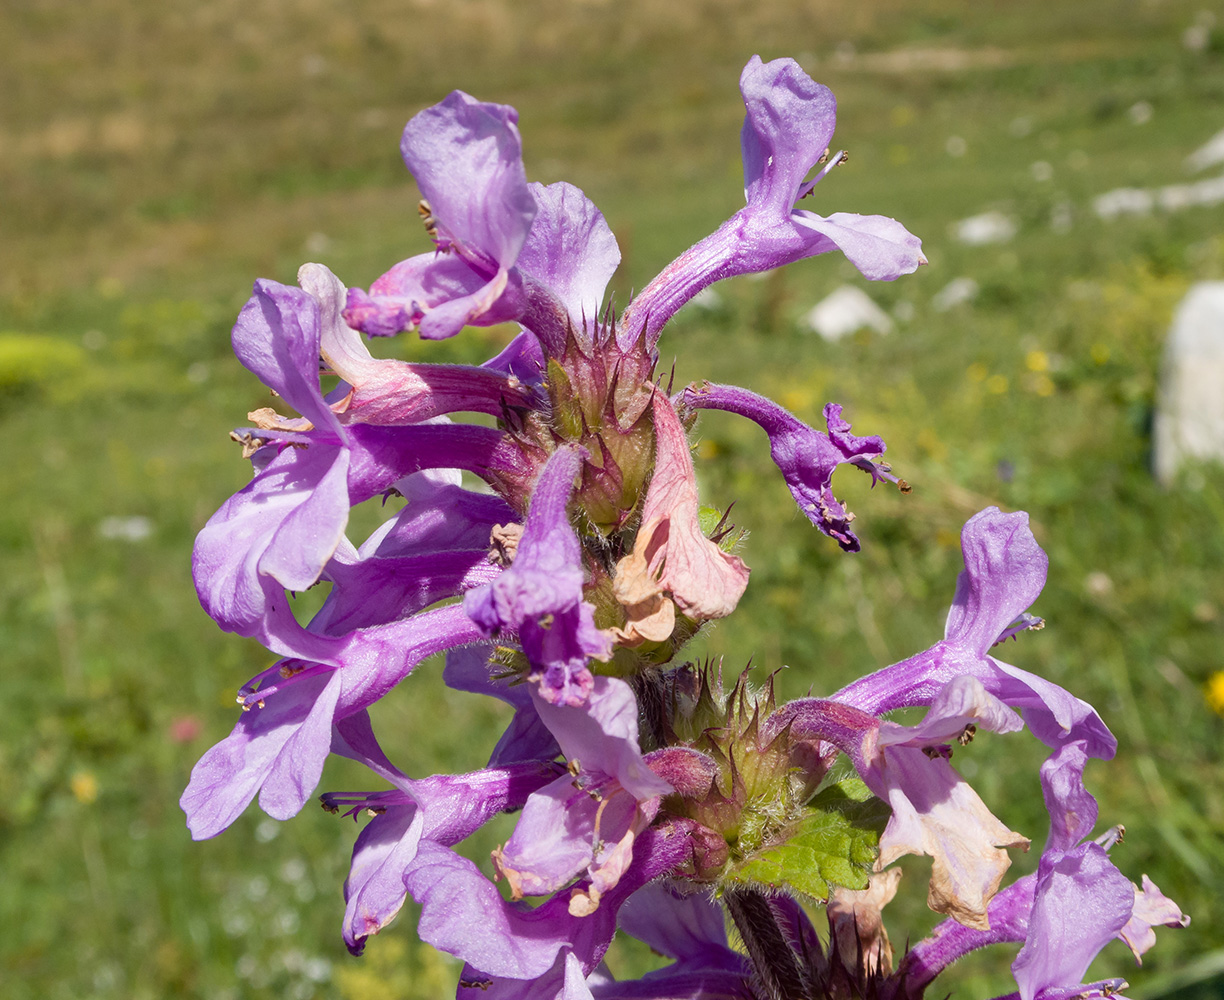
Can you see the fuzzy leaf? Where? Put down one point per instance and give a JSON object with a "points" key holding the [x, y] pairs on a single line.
{"points": [[834, 842]]}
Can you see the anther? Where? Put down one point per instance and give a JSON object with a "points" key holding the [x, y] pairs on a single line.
{"points": [[838, 158], [426, 213]]}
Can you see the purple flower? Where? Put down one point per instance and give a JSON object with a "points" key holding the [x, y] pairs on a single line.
{"points": [[466, 157], [506, 249], [278, 747], [540, 595], [280, 531], [1080, 900], [934, 811], [807, 457], [370, 633], [1066, 912], [590, 817], [510, 250], [442, 811], [1005, 570], [786, 132]]}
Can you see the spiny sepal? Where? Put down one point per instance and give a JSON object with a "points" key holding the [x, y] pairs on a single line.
{"points": [[763, 828]]}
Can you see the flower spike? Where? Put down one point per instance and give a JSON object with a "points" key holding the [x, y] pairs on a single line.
{"points": [[648, 795]]}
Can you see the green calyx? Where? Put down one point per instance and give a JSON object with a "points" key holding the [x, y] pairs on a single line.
{"points": [[763, 828], [601, 400]]}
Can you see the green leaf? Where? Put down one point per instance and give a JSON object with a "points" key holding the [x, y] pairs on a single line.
{"points": [[834, 842]]}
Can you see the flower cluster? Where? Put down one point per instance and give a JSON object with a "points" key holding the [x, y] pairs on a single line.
{"points": [[650, 797]]}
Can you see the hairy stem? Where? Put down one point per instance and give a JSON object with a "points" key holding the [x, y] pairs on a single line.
{"points": [[777, 968]]}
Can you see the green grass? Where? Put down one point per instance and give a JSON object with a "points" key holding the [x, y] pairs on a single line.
{"points": [[155, 159]]}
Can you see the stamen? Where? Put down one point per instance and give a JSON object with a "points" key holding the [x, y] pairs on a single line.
{"points": [[1026, 622], [249, 697], [878, 470], [354, 803], [431, 224], [250, 443], [840, 157]]}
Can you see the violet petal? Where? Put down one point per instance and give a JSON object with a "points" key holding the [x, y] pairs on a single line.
{"points": [[805, 456]]}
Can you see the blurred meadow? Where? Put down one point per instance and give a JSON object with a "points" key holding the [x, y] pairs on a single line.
{"points": [[155, 158]]}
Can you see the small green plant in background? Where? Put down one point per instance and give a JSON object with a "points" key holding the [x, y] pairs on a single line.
{"points": [[31, 363]]}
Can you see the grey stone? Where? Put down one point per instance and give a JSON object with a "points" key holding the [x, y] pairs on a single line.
{"points": [[1189, 424], [843, 312]]}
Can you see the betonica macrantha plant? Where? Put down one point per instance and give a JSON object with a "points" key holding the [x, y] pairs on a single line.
{"points": [[652, 796]]}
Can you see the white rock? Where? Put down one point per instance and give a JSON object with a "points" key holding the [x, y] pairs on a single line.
{"points": [[843, 312], [1123, 201], [1208, 154], [1171, 198], [317, 244], [989, 227], [1061, 217], [1189, 422], [956, 292], [1196, 38], [1205, 192], [125, 529]]}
